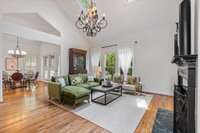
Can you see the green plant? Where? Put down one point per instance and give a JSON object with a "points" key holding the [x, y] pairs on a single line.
{"points": [[110, 63]]}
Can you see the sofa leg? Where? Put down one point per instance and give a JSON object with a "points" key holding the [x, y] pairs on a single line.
{"points": [[74, 106]]}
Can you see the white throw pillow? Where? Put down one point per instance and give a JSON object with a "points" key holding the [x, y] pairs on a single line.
{"points": [[61, 81], [90, 78]]}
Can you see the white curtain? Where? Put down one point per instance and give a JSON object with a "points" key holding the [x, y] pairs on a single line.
{"points": [[125, 56], [95, 58]]}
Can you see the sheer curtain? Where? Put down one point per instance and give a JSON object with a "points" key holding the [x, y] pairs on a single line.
{"points": [[95, 58], [125, 56]]}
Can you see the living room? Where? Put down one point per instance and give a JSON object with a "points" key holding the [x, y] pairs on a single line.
{"points": [[125, 64]]}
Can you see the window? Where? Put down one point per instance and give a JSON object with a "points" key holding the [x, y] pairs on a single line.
{"points": [[52, 60], [46, 61], [30, 61], [130, 70], [50, 67], [110, 63]]}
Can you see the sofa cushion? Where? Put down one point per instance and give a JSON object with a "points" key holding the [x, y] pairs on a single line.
{"points": [[75, 91], [88, 85]]}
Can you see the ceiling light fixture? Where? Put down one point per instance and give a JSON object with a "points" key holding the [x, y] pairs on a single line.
{"points": [[89, 21], [17, 52]]}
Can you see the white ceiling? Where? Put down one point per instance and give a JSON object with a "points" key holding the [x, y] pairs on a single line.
{"points": [[13, 38], [127, 18], [31, 20]]}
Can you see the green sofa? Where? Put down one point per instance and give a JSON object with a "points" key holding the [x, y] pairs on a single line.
{"points": [[75, 91]]}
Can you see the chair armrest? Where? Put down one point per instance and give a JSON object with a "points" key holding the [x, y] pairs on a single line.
{"points": [[54, 91]]}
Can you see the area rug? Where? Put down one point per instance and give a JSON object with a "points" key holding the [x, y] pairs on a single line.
{"points": [[163, 122], [121, 116]]}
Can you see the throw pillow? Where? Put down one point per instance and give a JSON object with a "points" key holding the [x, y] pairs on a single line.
{"points": [[61, 81], [77, 80]]}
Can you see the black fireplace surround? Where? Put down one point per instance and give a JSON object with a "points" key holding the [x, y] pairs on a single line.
{"points": [[184, 90], [184, 95]]}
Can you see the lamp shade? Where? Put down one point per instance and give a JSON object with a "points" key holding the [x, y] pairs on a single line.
{"points": [[17, 52]]}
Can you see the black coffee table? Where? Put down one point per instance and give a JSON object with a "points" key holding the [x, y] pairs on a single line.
{"points": [[115, 90]]}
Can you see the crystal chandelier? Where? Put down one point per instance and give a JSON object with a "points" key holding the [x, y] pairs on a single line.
{"points": [[89, 21], [17, 52]]}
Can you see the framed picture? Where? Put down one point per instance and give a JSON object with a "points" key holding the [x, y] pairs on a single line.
{"points": [[11, 64]]}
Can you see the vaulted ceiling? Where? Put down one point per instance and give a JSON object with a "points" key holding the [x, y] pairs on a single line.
{"points": [[31, 20], [127, 18]]}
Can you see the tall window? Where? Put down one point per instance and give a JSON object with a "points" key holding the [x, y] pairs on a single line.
{"points": [[130, 70], [31, 61], [110, 63], [49, 66]]}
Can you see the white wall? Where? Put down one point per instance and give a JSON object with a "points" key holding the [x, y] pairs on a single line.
{"points": [[1, 69], [48, 9], [153, 55], [2, 64]]}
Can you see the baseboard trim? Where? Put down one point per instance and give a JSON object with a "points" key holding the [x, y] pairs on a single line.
{"points": [[152, 93]]}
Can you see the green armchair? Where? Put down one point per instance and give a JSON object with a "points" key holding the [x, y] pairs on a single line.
{"points": [[74, 90], [67, 94]]}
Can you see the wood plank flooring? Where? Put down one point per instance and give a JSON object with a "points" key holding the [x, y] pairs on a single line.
{"points": [[147, 122], [28, 111]]}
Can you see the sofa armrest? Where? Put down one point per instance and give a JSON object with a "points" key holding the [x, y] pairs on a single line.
{"points": [[54, 91]]}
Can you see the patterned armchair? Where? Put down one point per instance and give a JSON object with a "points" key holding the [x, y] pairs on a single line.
{"points": [[132, 84], [118, 79]]}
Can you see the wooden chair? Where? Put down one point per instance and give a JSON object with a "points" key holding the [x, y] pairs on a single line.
{"points": [[33, 80]]}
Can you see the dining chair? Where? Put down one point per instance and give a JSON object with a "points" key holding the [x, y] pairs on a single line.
{"points": [[33, 80], [17, 78]]}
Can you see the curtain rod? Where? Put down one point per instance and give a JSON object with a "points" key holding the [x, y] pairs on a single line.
{"points": [[114, 45], [109, 46]]}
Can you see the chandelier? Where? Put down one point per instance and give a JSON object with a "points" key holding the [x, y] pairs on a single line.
{"points": [[89, 21], [17, 52]]}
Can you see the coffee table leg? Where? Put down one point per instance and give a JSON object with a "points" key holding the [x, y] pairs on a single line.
{"points": [[105, 98], [91, 95], [121, 90]]}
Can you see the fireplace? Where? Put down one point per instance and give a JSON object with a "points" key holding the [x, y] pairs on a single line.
{"points": [[184, 94], [184, 90]]}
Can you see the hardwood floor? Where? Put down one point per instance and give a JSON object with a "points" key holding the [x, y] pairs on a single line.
{"points": [[28, 111], [147, 122]]}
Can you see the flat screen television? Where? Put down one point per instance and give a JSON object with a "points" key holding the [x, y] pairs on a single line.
{"points": [[185, 28]]}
